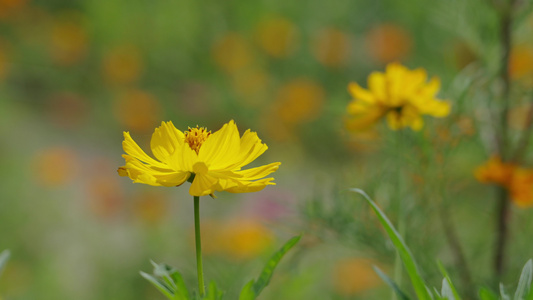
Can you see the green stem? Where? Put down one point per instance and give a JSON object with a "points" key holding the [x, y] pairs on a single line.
{"points": [[399, 205], [199, 267]]}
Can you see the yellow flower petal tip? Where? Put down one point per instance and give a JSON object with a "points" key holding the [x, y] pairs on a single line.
{"points": [[210, 161], [399, 95]]}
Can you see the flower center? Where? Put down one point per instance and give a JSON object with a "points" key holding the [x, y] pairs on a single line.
{"points": [[195, 137]]}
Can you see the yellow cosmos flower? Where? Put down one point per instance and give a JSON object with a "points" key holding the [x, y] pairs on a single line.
{"points": [[212, 162], [400, 95]]}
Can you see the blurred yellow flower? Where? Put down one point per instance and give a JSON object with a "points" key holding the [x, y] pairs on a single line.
{"points": [[10, 7], [137, 110], [494, 171], [388, 42], [331, 47], [122, 65], [277, 36], [354, 275], [69, 40], [400, 95], [150, 206], [232, 52], [245, 239], [212, 162]]}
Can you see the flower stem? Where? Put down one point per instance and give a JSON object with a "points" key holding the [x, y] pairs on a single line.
{"points": [[199, 267]]}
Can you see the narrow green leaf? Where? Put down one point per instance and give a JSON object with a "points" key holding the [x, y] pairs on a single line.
{"points": [[405, 254], [4, 257], [268, 270], [524, 283], [401, 295], [446, 291], [486, 294], [247, 292], [450, 284], [503, 293], [159, 284]]}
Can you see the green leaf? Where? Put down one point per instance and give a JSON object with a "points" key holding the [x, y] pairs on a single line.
{"points": [[503, 293], [401, 295], [486, 294], [405, 254], [160, 285], [4, 257], [247, 292], [449, 282], [524, 283], [173, 280], [213, 293], [268, 270]]}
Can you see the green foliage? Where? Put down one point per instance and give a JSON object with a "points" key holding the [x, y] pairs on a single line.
{"points": [[4, 257], [170, 282], [524, 290]]}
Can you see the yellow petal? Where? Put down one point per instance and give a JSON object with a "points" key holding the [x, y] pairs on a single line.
{"points": [[131, 148], [377, 85], [143, 173], [203, 185], [251, 148], [360, 93], [259, 172], [165, 140], [222, 148], [253, 186]]}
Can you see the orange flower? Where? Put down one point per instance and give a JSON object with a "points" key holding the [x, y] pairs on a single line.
{"points": [[388, 42], [521, 62], [300, 100], [494, 171], [354, 275], [331, 47], [69, 40], [521, 187], [55, 167]]}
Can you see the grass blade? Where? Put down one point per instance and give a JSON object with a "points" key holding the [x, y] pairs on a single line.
{"points": [[401, 295], [268, 270], [247, 292], [160, 285], [405, 254], [450, 284], [4, 257], [524, 282], [446, 291], [486, 294]]}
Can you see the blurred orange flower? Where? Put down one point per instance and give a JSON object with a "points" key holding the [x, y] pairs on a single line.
{"points": [[55, 166], [251, 85], [521, 62], [9, 7], [353, 276], [69, 40], [521, 187], [137, 110], [331, 47], [300, 100], [240, 239], [517, 180], [232, 52], [388, 42], [150, 206], [277, 36], [122, 65], [494, 171]]}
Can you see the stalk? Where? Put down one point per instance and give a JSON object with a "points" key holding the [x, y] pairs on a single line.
{"points": [[199, 266]]}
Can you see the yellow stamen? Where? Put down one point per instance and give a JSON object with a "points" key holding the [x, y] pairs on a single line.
{"points": [[195, 137]]}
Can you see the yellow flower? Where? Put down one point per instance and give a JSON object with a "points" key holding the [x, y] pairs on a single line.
{"points": [[400, 95], [212, 162]]}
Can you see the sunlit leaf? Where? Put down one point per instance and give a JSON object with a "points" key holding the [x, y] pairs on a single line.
{"points": [[524, 283], [449, 282], [247, 292], [401, 295], [160, 285], [486, 294], [405, 254]]}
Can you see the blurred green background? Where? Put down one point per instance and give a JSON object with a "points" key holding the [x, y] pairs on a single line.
{"points": [[75, 74]]}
